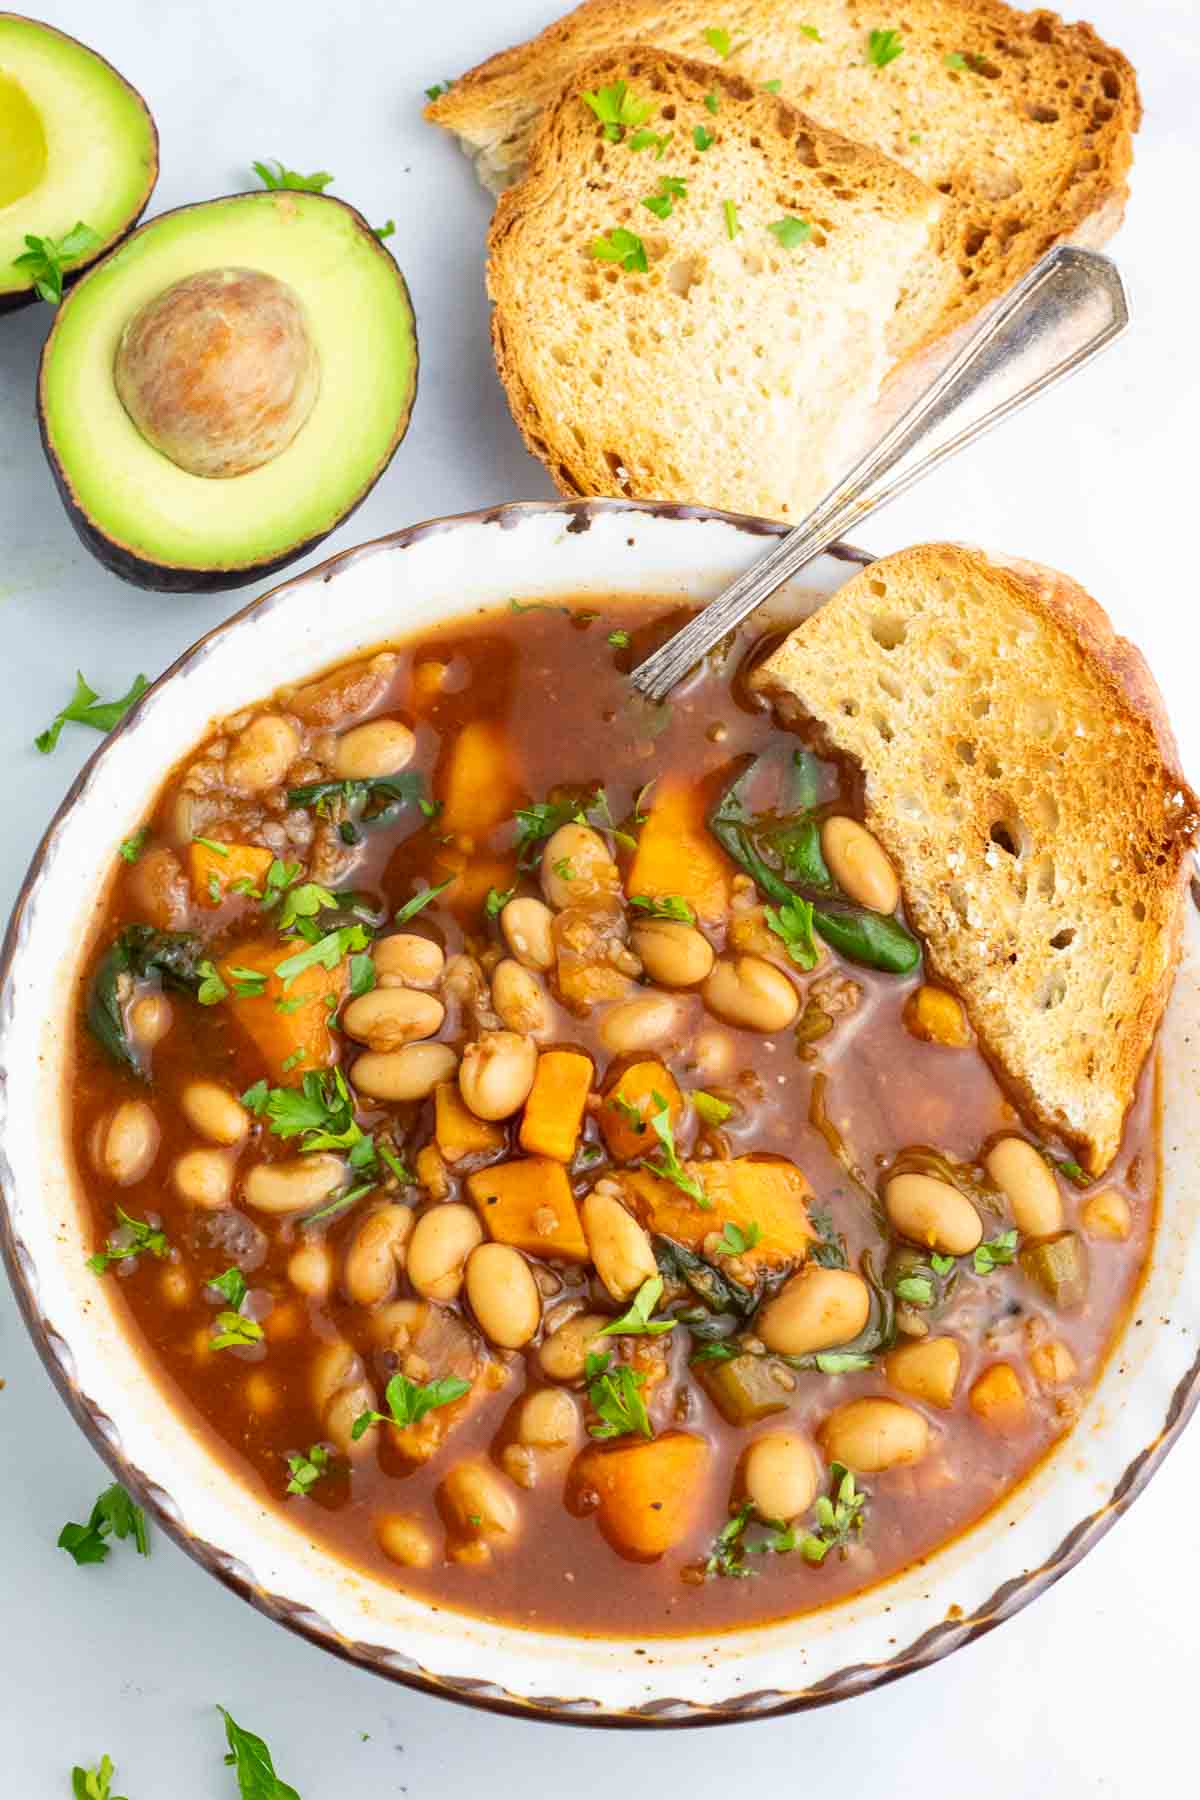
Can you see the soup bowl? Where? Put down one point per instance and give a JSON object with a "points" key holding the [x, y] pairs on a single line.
{"points": [[382, 590]]}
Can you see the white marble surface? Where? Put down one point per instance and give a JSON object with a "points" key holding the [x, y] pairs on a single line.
{"points": [[1089, 1693]]}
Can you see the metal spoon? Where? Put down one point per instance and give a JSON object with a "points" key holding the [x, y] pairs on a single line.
{"points": [[1070, 305]]}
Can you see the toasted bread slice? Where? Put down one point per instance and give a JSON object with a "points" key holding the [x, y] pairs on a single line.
{"points": [[1024, 122], [1020, 770], [731, 369]]}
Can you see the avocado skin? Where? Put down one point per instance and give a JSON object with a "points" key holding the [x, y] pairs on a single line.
{"points": [[10, 303], [165, 578]]}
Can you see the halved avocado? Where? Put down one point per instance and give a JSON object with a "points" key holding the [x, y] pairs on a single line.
{"points": [[77, 143], [266, 347]]}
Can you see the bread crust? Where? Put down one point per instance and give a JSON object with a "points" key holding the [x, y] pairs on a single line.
{"points": [[1131, 701]]}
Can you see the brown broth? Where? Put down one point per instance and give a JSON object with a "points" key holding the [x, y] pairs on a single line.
{"points": [[549, 678]]}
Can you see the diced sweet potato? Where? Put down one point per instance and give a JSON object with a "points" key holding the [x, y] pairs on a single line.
{"points": [[479, 786], [677, 854], [998, 1398], [590, 946], [554, 1109], [529, 1203], [635, 1087], [472, 875], [289, 1041], [213, 874], [648, 1493], [457, 1131], [745, 1191]]}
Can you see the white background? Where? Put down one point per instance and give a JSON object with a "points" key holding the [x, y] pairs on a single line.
{"points": [[1089, 1693]]}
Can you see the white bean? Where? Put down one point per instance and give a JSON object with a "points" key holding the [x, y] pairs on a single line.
{"points": [[293, 1185]]}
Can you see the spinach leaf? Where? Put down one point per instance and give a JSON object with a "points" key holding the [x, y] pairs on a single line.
{"points": [[360, 806], [138, 951], [874, 939], [719, 1294]]}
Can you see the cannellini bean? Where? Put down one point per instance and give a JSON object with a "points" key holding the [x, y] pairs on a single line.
{"points": [[408, 1074], [871, 1435], [405, 1539], [295, 1184], [927, 1370], [633, 1025], [816, 1310], [406, 960], [204, 1177], [563, 1355], [860, 865], [380, 747], [376, 1255], [576, 867], [1028, 1184], [780, 1475], [387, 1018], [520, 999], [714, 1054], [527, 927], [1052, 1363], [125, 1142], [672, 952], [341, 1393], [150, 1019], [618, 1245], [478, 1501], [261, 755], [214, 1112], [441, 1242], [547, 1419], [310, 1270], [503, 1295], [752, 993], [1107, 1215], [175, 1285], [932, 1213], [496, 1073]]}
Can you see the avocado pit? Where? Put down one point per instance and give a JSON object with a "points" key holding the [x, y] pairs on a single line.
{"points": [[219, 371]]}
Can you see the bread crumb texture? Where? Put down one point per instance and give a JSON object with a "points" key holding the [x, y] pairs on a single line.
{"points": [[732, 369], [1020, 771]]}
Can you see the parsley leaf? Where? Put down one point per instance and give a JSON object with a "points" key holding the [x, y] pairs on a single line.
{"points": [[732, 224], [249, 1756], [412, 907], [651, 140], [917, 1290], [409, 1401], [953, 59], [669, 1166], [278, 178], [496, 901], [727, 1556], [793, 922], [713, 1111], [842, 1362], [615, 1398], [328, 951], [306, 1471], [664, 906], [995, 1251], [320, 1112], [840, 1514], [702, 138], [810, 31], [384, 231], [114, 1515], [619, 640], [438, 89], [712, 103], [735, 1241], [621, 246], [235, 1332], [131, 847], [212, 989], [46, 258], [718, 39], [790, 231], [884, 47], [94, 1784], [130, 1239], [231, 1286], [85, 707], [637, 1321], [662, 202], [617, 109], [941, 1265], [362, 975], [304, 902]]}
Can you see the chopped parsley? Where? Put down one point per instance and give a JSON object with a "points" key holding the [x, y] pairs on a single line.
{"points": [[132, 1237], [320, 1112], [651, 140], [306, 1471], [637, 1322], [384, 231], [277, 178], [772, 87], [362, 977], [732, 224], [212, 990], [617, 109], [251, 1760], [131, 847], [328, 951], [713, 1111], [231, 1286], [664, 906], [303, 902], [884, 47], [662, 202], [917, 1290], [790, 231], [94, 1784], [85, 707], [736, 1241], [496, 901], [47, 257], [712, 103], [621, 246], [1073, 1172], [388, 1157], [619, 640], [810, 31], [840, 1515], [728, 1554], [420, 901], [408, 1401], [793, 922], [248, 984], [563, 869], [703, 138], [438, 89], [116, 1515], [994, 1252], [842, 1362], [235, 1332], [615, 1398], [668, 1166]]}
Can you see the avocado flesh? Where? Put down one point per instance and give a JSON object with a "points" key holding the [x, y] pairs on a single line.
{"points": [[76, 143], [162, 527]]}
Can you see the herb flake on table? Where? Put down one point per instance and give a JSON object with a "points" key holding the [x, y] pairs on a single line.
{"points": [[115, 1515], [250, 1758], [276, 177], [94, 1783], [85, 707]]}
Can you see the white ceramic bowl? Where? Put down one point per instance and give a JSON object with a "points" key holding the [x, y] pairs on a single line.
{"points": [[427, 573]]}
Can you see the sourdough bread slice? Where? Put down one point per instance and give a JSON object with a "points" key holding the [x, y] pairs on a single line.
{"points": [[712, 362], [1020, 770], [1025, 123]]}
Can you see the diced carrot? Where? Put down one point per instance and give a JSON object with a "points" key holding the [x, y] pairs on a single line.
{"points": [[479, 787], [677, 854], [554, 1109], [457, 1131], [746, 1191], [648, 1493], [212, 873], [290, 1039], [529, 1203], [636, 1087], [998, 1398]]}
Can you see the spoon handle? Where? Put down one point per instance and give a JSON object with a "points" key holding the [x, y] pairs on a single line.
{"points": [[1070, 305]]}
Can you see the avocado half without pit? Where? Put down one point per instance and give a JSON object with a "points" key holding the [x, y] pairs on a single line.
{"points": [[226, 387], [77, 145]]}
